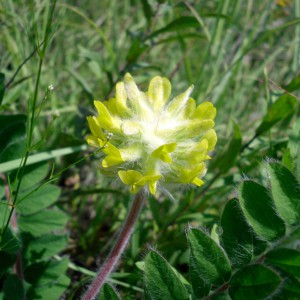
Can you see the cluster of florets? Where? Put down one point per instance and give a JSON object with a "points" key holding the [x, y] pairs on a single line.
{"points": [[148, 140]]}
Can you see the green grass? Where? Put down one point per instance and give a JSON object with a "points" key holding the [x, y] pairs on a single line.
{"points": [[240, 55]]}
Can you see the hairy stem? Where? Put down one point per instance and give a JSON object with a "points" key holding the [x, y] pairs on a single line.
{"points": [[117, 250]]}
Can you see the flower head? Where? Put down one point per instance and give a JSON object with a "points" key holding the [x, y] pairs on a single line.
{"points": [[149, 140]]}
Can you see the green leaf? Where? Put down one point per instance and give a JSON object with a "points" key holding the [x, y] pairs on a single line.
{"points": [[43, 222], [257, 206], [45, 272], [238, 238], [47, 155], [51, 291], [147, 10], [287, 159], [9, 242], [231, 151], [286, 259], [289, 290], [48, 279], [136, 49], [208, 258], [2, 87], [293, 85], [221, 296], [13, 288], [108, 293], [161, 281], [285, 191], [39, 199], [44, 247], [12, 137], [200, 287], [32, 175], [178, 24], [281, 108], [254, 282], [146, 295]]}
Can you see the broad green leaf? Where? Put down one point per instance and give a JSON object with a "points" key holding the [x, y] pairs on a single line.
{"points": [[45, 272], [293, 85], [161, 281], [108, 293], [281, 108], [9, 242], [51, 291], [286, 259], [12, 137], [13, 288], [43, 222], [238, 238], [257, 206], [48, 279], [208, 258], [44, 247], [2, 86], [201, 287], [141, 265], [32, 175], [286, 192], [289, 290], [221, 296], [287, 159], [39, 199], [254, 282], [146, 295]]}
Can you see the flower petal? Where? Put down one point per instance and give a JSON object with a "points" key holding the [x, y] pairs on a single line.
{"points": [[121, 98], [152, 182], [211, 138], [104, 119], [205, 111], [198, 127], [197, 181], [95, 127], [131, 88], [178, 103], [159, 92], [114, 156], [129, 127], [163, 151], [131, 177]]}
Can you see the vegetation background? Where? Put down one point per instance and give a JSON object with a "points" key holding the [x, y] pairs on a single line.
{"points": [[58, 56]]}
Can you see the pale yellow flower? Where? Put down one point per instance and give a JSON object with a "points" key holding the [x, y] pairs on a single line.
{"points": [[148, 140]]}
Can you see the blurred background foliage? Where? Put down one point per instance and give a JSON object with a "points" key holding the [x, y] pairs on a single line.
{"points": [[241, 55]]}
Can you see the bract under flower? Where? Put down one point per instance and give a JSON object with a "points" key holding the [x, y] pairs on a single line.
{"points": [[149, 141]]}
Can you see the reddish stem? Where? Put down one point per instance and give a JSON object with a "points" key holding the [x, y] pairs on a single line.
{"points": [[117, 249], [18, 269]]}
